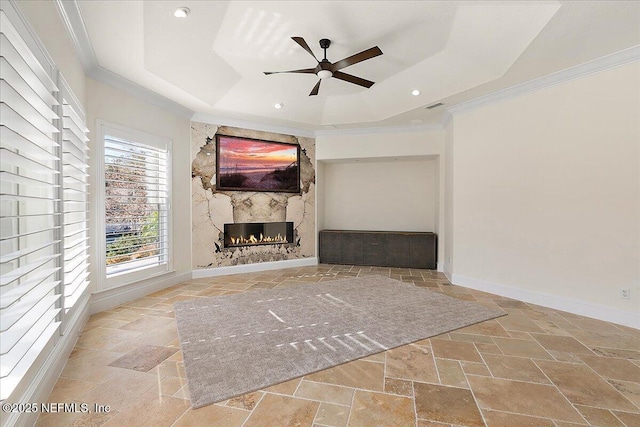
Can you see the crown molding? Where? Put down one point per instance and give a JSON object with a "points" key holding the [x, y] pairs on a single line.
{"points": [[446, 118], [613, 60], [117, 81], [72, 19], [248, 124]]}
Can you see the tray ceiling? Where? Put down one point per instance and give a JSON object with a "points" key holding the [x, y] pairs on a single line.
{"points": [[213, 60]]}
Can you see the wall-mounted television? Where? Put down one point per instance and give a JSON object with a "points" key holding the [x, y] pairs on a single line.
{"points": [[244, 164]]}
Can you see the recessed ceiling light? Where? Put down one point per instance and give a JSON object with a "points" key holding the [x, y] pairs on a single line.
{"points": [[415, 92], [278, 106], [182, 12]]}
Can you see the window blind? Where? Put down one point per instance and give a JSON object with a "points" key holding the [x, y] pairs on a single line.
{"points": [[75, 198], [136, 205], [30, 228]]}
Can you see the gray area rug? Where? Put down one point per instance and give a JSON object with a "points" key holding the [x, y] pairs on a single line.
{"points": [[235, 344]]}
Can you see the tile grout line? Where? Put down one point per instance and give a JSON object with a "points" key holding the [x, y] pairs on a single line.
{"points": [[473, 394], [384, 372], [561, 393], [618, 418], [433, 359], [610, 385], [252, 409], [415, 407], [182, 415], [316, 414], [298, 386], [351, 408], [159, 310]]}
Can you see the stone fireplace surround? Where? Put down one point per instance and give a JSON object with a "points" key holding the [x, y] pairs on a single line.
{"points": [[212, 209]]}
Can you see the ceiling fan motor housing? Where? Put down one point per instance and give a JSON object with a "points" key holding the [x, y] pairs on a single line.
{"points": [[326, 69]]}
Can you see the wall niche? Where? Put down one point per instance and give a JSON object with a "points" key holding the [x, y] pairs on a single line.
{"points": [[211, 209]]}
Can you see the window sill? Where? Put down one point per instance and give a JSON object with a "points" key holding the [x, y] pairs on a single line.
{"points": [[134, 281]]}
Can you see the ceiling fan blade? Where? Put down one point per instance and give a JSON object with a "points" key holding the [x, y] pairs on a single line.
{"points": [[304, 45], [358, 57], [315, 88], [303, 71], [353, 79]]}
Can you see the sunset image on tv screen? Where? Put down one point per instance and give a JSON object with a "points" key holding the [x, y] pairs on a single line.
{"points": [[247, 164]]}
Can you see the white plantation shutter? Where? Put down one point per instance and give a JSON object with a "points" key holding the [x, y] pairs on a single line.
{"points": [[30, 233], [136, 205], [75, 198]]}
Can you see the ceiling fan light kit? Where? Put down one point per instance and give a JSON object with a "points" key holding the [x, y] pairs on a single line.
{"points": [[326, 69], [324, 74]]}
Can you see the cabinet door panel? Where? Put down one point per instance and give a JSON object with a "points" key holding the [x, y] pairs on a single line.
{"points": [[422, 248], [330, 248], [374, 249], [352, 248], [397, 247]]}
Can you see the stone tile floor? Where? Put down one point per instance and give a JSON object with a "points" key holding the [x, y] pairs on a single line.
{"points": [[534, 367]]}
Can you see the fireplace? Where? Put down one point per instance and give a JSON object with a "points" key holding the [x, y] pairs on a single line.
{"points": [[257, 234]]}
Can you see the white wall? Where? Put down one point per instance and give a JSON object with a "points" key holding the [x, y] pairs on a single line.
{"points": [[394, 195], [352, 165], [118, 107], [546, 195], [447, 242], [379, 143]]}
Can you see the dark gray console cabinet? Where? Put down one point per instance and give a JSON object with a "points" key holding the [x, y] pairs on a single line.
{"points": [[379, 248]]}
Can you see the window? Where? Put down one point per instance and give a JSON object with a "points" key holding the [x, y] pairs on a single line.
{"points": [[30, 214], [43, 214], [75, 235], [135, 207]]}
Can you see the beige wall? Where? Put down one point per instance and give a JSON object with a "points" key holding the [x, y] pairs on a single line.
{"points": [[366, 183], [44, 19], [546, 193], [447, 243], [101, 101], [380, 143], [392, 195], [115, 106]]}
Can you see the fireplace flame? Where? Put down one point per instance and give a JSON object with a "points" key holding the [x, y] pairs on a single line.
{"points": [[253, 240]]}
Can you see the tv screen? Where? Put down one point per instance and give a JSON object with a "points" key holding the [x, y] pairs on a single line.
{"points": [[244, 164]]}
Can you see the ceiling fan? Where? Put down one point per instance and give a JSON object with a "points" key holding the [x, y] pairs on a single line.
{"points": [[326, 69]]}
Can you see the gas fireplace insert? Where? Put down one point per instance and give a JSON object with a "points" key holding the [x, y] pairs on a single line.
{"points": [[257, 234]]}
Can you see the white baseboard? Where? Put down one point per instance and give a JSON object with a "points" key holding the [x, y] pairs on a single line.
{"points": [[551, 301], [447, 272], [45, 379], [440, 267], [104, 300], [252, 268]]}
